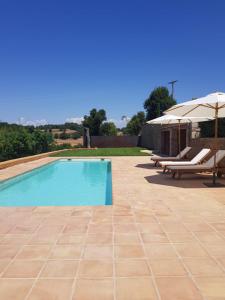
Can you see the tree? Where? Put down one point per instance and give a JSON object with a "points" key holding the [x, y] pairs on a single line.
{"points": [[42, 141], [108, 128], [158, 101], [94, 121], [135, 124]]}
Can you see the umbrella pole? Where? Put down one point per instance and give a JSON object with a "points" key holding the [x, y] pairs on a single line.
{"points": [[179, 137], [216, 143], [214, 183]]}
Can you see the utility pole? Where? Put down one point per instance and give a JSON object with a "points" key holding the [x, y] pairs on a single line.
{"points": [[172, 83]]}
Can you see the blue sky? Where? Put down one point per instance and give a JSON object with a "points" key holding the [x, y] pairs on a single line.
{"points": [[59, 59]]}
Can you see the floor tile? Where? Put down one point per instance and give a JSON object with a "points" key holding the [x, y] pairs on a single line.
{"points": [[5, 228], [177, 288], [3, 264], [103, 238], [219, 226], [100, 228], [129, 251], [209, 237], [75, 228], [199, 226], [212, 287], [126, 238], [157, 251], [149, 228], [98, 252], [132, 268], [174, 227], [203, 267], [222, 261], [123, 219], [154, 238], [51, 289], [144, 218], [216, 250], [17, 289], [15, 239], [20, 229], [135, 289], [34, 252], [167, 267], [71, 239], [43, 238], [101, 289], [125, 228], [23, 269], [8, 251], [95, 268], [66, 252], [181, 237], [60, 268], [50, 229], [190, 250]]}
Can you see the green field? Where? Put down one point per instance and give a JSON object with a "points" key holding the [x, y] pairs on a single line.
{"points": [[134, 151]]}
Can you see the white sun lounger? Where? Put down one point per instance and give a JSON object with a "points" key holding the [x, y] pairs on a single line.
{"points": [[196, 160], [180, 156], [205, 167]]}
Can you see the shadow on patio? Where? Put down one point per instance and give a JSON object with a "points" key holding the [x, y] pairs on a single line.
{"points": [[187, 181], [149, 166]]}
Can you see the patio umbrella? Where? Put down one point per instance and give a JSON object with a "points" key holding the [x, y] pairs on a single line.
{"points": [[172, 119], [210, 106]]}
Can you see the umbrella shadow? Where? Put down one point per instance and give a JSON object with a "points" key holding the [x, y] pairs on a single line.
{"points": [[149, 166], [187, 181]]}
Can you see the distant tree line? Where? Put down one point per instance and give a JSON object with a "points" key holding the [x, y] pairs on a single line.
{"points": [[62, 127], [63, 134], [18, 141]]}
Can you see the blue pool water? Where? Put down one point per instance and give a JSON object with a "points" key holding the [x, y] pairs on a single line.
{"points": [[64, 182]]}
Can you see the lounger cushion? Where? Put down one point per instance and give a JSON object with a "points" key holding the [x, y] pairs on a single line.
{"points": [[196, 160]]}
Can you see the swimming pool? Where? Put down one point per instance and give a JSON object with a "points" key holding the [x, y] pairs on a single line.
{"points": [[64, 182]]}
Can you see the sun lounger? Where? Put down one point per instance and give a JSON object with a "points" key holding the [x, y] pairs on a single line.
{"points": [[195, 161], [205, 167], [180, 156]]}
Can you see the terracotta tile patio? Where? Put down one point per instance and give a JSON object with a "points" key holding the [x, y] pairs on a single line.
{"points": [[161, 239]]}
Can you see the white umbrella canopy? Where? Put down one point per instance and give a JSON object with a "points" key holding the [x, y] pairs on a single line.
{"points": [[206, 106], [211, 106], [172, 119]]}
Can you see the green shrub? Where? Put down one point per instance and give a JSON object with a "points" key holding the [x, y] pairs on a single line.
{"points": [[75, 135], [18, 141]]}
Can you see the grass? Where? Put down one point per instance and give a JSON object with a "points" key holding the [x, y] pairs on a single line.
{"points": [[134, 151]]}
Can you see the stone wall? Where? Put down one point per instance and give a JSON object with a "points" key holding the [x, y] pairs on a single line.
{"points": [[151, 137], [208, 143], [114, 141]]}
